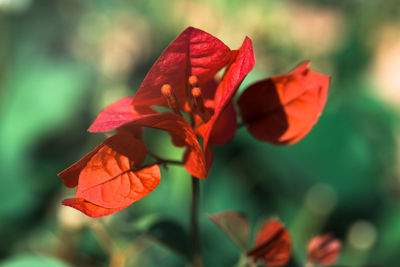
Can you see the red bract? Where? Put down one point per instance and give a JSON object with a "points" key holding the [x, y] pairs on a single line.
{"points": [[193, 52], [183, 79], [323, 249], [117, 114], [110, 178], [284, 108], [272, 244]]}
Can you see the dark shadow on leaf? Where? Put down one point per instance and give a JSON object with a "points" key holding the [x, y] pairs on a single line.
{"points": [[263, 112]]}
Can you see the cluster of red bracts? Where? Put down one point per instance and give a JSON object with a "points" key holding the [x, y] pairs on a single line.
{"points": [[272, 246], [281, 109], [272, 243]]}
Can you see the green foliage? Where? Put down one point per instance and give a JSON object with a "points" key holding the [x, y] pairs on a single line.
{"points": [[165, 232], [33, 260]]}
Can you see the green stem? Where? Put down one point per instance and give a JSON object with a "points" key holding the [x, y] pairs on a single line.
{"points": [[160, 160], [194, 221], [169, 161]]}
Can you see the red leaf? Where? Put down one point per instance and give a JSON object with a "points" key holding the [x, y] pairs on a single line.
{"points": [[224, 128], [323, 249], [235, 225], [241, 65], [272, 244], [193, 52], [135, 131], [284, 108], [182, 132], [209, 158], [88, 208], [108, 178], [70, 176], [117, 114]]}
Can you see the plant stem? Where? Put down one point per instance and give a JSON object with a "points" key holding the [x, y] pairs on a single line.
{"points": [[194, 221], [161, 160], [241, 125]]}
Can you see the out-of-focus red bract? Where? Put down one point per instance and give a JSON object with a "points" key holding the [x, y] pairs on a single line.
{"points": [[235, 225], [109, 177], [284, 108], [323, 249], [272, 244]]}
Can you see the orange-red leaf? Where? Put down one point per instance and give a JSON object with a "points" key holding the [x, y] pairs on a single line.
{"points": [[284, 108], [88, 208], [323, 249], [70, 176], [110, 178], [272, 244]]}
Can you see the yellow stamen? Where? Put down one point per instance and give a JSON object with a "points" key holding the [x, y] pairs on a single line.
{"points": [[199, 104], [193, 81], [169, 95]]}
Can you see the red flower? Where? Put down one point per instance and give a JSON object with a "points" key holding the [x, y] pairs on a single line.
{"points": [[284, 108], [323, 249], [183, 79], [272, 244], [110, 177]]}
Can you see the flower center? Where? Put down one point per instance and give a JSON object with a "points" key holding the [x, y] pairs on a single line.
{"points": [[194, 99]]}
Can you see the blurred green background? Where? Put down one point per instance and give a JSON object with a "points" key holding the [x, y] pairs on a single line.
{"points": [[62, 61]]}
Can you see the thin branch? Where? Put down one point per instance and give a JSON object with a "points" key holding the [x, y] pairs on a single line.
{"points": [[194, 220], [169, 161], [162, 161]]}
